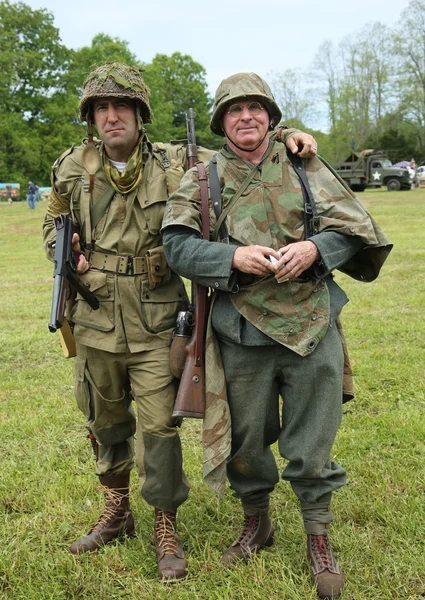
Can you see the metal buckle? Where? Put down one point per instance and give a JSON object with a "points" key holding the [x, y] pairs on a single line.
{"points": [[129, 270]]}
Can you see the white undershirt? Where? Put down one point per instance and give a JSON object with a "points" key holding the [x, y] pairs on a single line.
{"points": [[118, 165]]}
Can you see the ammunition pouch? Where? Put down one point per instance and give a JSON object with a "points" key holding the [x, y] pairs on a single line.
{"points": [[159, 273]]}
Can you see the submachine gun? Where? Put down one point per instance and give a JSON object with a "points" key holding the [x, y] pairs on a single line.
{"points": [[187, 350], [66, 284]]}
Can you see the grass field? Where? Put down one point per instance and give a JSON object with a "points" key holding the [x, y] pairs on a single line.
{"points": [[49, 494]]}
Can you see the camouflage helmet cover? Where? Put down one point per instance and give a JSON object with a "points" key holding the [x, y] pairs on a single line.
{"points": [[239, 87], [116, 80]]}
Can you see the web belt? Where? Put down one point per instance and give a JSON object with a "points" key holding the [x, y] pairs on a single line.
{"points": [[122, 265]]}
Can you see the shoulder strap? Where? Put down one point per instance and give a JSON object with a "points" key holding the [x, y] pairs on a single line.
{"points": [[99, 208], [203, 183], [311, 221], [215, 191]]}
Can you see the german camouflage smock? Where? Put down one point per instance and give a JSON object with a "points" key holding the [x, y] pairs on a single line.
{"points": [[271, 213]]}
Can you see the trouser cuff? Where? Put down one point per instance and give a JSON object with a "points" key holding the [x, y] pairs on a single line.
{"points": [[260, 507], [317, 517], [164, 487]]}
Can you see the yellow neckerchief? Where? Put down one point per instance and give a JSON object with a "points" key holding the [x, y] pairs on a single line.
{"points": [[129, 179]]}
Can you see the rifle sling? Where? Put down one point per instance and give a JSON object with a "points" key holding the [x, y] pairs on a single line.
{"points": [[201, 291], [216, 200]]}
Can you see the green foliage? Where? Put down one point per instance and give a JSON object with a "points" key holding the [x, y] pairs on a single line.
{"points": [[103, 49], [42, 82], [400, 143], [32, 62], [372, 84], [177, 83], [49, 493], [409, 45]]}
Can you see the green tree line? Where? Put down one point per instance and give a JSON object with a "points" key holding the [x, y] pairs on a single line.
{"points": [[371, 86], [41, 82]]}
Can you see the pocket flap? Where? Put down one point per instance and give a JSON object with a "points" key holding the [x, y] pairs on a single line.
{"points": [[174, 291], [97, 282]]}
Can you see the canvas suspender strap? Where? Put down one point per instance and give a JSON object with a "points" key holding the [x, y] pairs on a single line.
{"points": [[99, 208], [85, 228], [311, 220], [215, 191], [240, 191], [91, 214]]}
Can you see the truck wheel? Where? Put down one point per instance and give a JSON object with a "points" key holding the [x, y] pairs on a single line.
{"points": [[393, 185]]}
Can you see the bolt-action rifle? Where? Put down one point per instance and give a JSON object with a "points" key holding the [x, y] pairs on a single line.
{"points": [[66, 284], [191, 324]]}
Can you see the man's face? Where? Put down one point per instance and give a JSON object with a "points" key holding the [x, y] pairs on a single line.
{"points": [[115, 121], [247, 128]]}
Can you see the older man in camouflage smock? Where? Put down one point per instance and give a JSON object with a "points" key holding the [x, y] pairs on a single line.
{"points": [[275, 310], [115, 189]]}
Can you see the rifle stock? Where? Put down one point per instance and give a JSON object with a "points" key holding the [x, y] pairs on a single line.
{"points": [[190, 400]]}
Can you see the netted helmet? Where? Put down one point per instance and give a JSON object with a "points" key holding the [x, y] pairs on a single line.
{"points": [[115, 80], [243, 86]]}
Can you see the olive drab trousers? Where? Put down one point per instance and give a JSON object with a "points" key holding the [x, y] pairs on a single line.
{"points": [[311, 389], [105, 384]]}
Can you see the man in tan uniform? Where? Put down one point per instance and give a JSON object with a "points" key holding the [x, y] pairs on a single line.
{"points": [[116, 190]]}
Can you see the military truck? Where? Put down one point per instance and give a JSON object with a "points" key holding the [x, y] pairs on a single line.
{"points": [[372, 169]]}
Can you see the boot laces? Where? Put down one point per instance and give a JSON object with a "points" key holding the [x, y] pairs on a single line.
{"points": [[250, 524], [114, 498], [166, 532], [322, 550]]}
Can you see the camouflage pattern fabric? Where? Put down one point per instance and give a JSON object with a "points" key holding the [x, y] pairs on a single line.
{"points": [[243, 86], [116, 80], [216, 432], [270, 213]]}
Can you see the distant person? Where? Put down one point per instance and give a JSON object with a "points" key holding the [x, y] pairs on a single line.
{"points": [[413, 169], [37, 193], [31, 194], [9, 193], [274, 317]]}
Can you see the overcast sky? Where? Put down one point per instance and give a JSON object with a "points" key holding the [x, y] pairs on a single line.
{"points": [[224, 36]]}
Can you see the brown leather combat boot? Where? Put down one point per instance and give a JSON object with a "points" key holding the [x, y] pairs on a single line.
{"points": [[115, 522], [257, 532], [171, 562], [327, 575]]}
